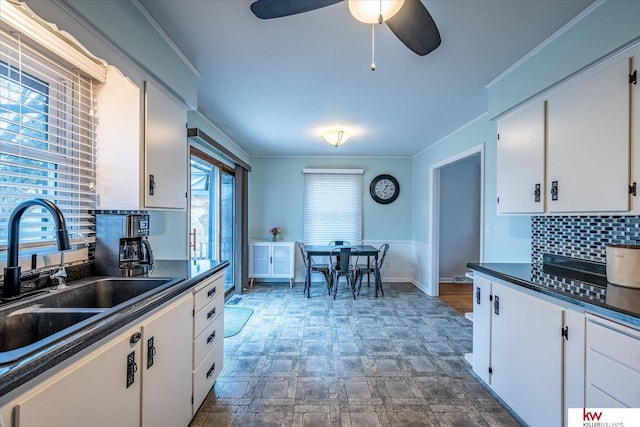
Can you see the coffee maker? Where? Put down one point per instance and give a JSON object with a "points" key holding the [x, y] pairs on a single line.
{"points": [[122, 244]]}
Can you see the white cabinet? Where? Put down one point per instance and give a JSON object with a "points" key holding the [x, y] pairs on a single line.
{"points": [[613, 364], [588, 141], [141, 147], [92, 392], [207, 337], [526, 355], [272, 260], [574, 143], [166, 366], [166, 150], [142, 376], [520, 162], [527, 346], [482, 328]]}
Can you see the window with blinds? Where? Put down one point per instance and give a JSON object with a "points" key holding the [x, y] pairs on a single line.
{"points": [[332, 206], [47, 141]]}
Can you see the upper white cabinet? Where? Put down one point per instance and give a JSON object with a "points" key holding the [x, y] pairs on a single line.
{"points": [[589, 141], [166, 150], [142, 147], [272, 260], [521, 155], [569, 151]]}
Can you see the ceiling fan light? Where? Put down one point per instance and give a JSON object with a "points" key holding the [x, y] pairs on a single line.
{"points": [[336, 137], [368, 11]]}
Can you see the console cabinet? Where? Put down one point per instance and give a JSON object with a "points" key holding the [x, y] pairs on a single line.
{"points": [[272, 260]]}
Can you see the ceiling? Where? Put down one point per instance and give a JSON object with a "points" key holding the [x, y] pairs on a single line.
{"points": [[274, 85]]}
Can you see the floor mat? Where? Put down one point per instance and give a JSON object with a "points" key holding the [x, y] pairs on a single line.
{"points": [[235, 318]]}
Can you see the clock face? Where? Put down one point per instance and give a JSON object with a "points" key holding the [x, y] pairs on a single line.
{"points": [[384, 189]]}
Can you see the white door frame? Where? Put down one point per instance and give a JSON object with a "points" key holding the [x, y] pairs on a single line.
{"points": [[434, 214]]}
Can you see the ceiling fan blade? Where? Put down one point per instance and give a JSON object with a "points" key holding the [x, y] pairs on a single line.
{"points": [[267, 9], [415, 27]]}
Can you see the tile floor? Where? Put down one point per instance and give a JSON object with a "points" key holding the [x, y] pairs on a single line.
{"points": [[391, 361]]}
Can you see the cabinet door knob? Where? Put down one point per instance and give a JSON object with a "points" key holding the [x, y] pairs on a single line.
{"points": [[135, 338]]}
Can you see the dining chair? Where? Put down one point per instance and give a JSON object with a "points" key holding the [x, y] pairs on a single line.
{"points": [[315, 268], [339, 243], [362, 269], [342, 261]]}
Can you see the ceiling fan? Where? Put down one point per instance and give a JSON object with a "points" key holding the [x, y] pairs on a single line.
{"points": [[409, 20]]}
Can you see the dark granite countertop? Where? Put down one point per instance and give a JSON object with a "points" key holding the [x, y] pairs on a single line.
{"points": [[616, 302], [189, 273]]}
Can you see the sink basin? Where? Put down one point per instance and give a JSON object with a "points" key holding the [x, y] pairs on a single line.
{"points": [[24, 328], [102, 293], [26, 331], [30, 325]]}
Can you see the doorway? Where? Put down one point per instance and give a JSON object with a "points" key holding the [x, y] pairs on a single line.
{"points": [[212, 211], [456, 216]]}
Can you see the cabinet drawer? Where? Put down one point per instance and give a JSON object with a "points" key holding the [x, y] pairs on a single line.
{"points": [[207, 340], [206, 374], [613, 363], [210, 289], [208, 314]]}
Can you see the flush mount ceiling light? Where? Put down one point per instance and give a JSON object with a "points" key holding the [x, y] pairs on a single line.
{"points": [[336, 137], [374, 12]]}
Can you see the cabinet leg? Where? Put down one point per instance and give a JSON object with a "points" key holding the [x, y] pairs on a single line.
{"points": [[251, 283]]}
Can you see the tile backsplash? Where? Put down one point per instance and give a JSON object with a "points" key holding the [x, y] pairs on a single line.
{"points": [[582, 237]]}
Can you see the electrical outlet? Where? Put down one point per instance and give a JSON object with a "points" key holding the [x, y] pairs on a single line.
{"points": [[488, 230]]}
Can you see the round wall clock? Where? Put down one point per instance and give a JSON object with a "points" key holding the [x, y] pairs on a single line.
{"points": [[384, 189]]}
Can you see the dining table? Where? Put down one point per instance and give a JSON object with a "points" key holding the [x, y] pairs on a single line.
{"points": [[324, 251]]}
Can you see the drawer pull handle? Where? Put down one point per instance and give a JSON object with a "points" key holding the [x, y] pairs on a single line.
{"points": [[211, 337], [211, 292], [211, 370], [211, 313]]}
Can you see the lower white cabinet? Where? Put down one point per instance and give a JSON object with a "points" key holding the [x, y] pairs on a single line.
{"points": [[613, 364], [208, 336], [166, 373], [140, 377], [525, 346], [526, 355], [92, 392], [272, 260]]}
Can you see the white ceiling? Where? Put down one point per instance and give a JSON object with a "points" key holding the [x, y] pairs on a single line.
{"points": [[273, 85]]}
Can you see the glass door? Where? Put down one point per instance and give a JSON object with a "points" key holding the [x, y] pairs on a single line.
{"points": [[227, 215], [212, 211]]}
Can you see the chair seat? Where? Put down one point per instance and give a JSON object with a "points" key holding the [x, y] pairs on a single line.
{"points": [[321, 267]]}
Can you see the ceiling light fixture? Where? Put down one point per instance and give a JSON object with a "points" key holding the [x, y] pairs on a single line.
{"points": [[336, 137], [373, 12]]}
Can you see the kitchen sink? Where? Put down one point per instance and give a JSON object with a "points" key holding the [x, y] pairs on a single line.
{"points": [[102, 293], [32, 324], [23, 328]]}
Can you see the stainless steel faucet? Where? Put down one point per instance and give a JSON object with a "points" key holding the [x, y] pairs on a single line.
{"points": [[61, 275], [11, 286]]}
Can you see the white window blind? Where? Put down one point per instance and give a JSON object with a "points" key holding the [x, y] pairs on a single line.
{"points": [[332, 206], [47, 140]]}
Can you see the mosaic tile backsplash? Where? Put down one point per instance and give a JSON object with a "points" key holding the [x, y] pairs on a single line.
{"points": [[582, 237]]}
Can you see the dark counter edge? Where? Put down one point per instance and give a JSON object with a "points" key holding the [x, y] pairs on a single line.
{"points": [[591, 306], [15, 374]]}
